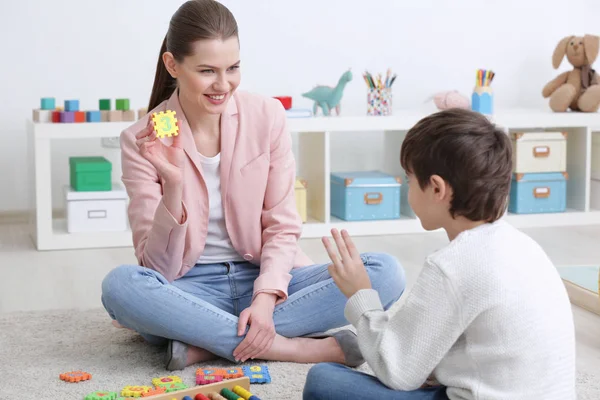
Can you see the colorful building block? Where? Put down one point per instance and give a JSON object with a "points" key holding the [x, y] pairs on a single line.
{"points": [[200, 396], [142, 112], [129, 115], [104, 105], [135, 391], [115, 116], [93, 116], [67, 116], [56, 116], [101, 395], [257, 373], [104, 115], [206, 379], [42, 115], [79, 116], [122, 104], [71, 105], [47, 103], [75, 376]]}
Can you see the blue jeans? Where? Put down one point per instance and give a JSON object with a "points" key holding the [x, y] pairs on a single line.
{"points": [[335, 381], [202, 307]]}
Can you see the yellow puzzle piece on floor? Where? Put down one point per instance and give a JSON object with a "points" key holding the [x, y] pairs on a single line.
{"points": [[165, 124]]}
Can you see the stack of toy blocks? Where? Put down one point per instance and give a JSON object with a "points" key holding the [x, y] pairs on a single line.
{"points": [[121, 111], [71, 112], [44, 113]]}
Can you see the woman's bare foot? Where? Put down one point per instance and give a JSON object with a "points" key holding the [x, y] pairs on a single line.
{"points": [[118, 325], [305, 350]]}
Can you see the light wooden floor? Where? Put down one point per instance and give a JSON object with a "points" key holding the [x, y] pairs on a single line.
{"points": [[33, 280]]}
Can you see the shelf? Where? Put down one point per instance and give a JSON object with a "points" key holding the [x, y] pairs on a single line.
{"points": [[567, 218], [318, 155], [81, 130]]}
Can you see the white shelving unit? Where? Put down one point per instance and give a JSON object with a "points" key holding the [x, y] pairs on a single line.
{"points": [[314, 161]]}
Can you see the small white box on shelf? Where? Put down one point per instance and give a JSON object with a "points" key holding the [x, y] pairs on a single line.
{"points": [[539, 152], [102, 211]]}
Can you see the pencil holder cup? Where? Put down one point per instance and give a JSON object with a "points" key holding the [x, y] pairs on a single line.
{"points": [[482, 100], [379, 101]]}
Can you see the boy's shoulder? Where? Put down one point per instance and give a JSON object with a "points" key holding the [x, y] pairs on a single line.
{"points": [[491, 246]]}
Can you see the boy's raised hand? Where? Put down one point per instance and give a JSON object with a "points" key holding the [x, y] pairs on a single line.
{"points": [[347, 268]]}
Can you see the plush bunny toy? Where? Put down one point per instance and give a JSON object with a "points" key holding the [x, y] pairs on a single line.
{"points": [[579, 88]]}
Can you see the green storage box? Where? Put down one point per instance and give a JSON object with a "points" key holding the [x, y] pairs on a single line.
{"points": [[90, 174]]}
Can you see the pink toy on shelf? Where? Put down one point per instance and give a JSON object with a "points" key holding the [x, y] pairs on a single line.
{"points": [[451, 99]]}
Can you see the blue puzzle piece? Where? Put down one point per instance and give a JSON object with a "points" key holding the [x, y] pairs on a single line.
{"points": [[257, 373]]}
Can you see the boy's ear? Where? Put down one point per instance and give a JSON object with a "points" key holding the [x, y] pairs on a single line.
{"points": [[441, 190]]}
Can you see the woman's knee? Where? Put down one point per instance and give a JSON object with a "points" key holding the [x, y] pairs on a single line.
{"points": [[387, 276], [118, 283]]}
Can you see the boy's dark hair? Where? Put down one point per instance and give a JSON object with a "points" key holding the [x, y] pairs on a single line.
{"points": [[468, 152]]}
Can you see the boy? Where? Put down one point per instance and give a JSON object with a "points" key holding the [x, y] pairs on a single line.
{"points": [[488, 317]]}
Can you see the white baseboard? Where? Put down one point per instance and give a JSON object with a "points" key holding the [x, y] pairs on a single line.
{"points": [[22, 217]]}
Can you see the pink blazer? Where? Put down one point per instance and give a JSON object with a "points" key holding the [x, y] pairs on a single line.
{"points": [[258, 172]]}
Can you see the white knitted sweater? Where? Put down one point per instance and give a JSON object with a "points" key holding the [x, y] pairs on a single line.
{"points": [[488, 317]]}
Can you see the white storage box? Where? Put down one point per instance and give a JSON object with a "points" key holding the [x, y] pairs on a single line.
{"points": [[539, 152], [596, 155], [101, 211], [595, 194]]}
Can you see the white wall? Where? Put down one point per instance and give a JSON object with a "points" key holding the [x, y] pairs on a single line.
{"points": [[95, 49]]}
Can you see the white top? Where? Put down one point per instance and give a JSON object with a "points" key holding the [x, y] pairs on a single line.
{"points": [[218, 246], [488, 317]]}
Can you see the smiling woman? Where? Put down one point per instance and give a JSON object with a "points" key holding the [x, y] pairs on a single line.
{"points": [[214, 219]]}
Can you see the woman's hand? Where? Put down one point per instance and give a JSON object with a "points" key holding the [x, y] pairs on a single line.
{"points": [[349, 272], [261, 334], [168, 160]]}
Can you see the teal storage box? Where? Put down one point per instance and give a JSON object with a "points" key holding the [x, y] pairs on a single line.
{"points": [[365, 195], [90, 174], [538, 193]]}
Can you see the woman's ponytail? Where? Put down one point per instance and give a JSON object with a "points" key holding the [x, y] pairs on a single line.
{"points": [[164, 83]]}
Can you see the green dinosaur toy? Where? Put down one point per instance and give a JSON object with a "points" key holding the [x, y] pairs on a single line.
{"points": [[328, 97]]}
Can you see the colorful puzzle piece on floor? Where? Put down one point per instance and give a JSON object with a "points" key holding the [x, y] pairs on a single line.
{"points": [[165, 380], [155, 391], [135, 391], [206, 379], [165, 124], [172, 387], [75, 376], [101, 395], [257, 373]]}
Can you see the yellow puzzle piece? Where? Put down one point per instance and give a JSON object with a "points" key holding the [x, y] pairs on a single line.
{"points": [[165, 124]]}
